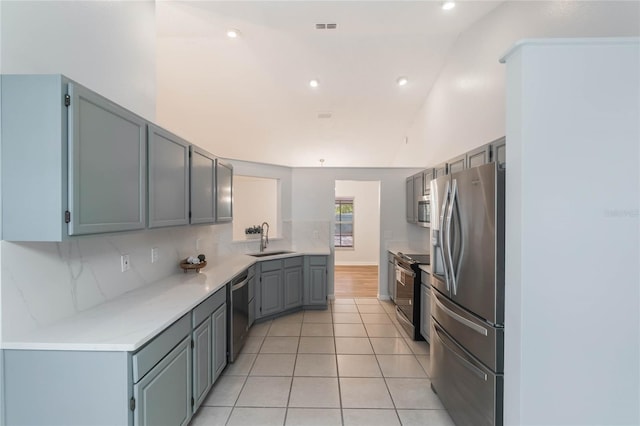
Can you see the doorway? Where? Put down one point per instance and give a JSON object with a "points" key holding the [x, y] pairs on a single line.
{"points": [[357, 238]]}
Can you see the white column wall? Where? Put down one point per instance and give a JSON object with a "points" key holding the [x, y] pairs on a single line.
{"points": [[572, 324], [466, 106]]}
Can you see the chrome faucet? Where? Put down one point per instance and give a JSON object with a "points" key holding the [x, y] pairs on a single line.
{"points": [[264, 236]]}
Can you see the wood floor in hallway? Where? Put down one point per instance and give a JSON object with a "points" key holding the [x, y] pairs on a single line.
{"points": [[356, 281]]}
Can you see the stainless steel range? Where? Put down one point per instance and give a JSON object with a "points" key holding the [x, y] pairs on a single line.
{"points": [[407, 299]]}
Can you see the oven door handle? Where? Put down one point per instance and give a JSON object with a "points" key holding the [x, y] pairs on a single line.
{"points": [[407, 271]]}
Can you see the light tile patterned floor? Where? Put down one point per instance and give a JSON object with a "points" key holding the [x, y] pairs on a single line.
{"points": [[350, 365]]}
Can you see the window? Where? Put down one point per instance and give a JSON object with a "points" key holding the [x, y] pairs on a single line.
{"points": [[343, 231]]}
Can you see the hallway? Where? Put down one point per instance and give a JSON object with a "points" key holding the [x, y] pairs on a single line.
{"points": [[356, 281]]}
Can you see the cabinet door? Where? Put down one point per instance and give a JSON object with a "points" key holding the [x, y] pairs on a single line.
{"points": [[479, 156], [203, 180], [224, 192], [391, 278], [107, 165], [427, 177], [499, 152], [219, 340], [271, 292], [168, 178], [163, 396], [292, 287], [410, 211], [425, 312], [202, 356], [440, 170], [318, 285], [457, 164], [418, 185]]}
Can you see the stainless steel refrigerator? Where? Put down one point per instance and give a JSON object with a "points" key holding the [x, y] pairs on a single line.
{"points": [[467, 304]]}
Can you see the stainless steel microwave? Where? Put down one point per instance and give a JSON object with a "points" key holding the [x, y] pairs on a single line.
{"points": [[424, 211]]}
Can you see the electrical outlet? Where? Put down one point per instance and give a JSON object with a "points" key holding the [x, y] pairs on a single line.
{"points": [[154, 254], [124, 263]]}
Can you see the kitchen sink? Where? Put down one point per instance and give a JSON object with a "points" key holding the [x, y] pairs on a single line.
{"points": [[270, 253]]}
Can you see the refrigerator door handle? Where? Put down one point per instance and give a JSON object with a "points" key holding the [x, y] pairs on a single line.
{"points": [[475, 370], [445, 199], [475, 327], [453, 191]]}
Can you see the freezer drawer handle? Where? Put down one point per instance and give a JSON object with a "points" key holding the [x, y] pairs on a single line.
{"points": [[475, 370], [475, 327]]}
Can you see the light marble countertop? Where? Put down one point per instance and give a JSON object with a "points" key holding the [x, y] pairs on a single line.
{"points": [[131, 320]]}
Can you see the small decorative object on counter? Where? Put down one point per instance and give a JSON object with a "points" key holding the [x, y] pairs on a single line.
{"points": [[253, 232], [193, 263]]}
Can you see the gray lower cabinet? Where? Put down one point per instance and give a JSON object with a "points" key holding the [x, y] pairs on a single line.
{"points": [[316, 281], [163, 383], [290, 283], [202, 365], [163, 396], [168, 177], [86, 171], [425, 312], [271, 286], [293, 282], [219, 340], [391, 275]]}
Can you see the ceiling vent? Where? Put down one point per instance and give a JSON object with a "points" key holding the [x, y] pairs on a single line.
{"points": [[326, 26]]}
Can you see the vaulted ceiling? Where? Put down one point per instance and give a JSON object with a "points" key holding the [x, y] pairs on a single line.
{"points": [[249, 98]]}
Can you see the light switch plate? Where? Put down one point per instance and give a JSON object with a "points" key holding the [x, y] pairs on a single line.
{"points": [[154, 254]]}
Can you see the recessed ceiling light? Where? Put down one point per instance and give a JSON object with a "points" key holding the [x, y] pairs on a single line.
{"points": [[314, 83], [402, 81], [448, 5], [233, 33]]}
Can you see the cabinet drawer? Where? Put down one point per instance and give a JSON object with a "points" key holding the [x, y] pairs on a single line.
{"points": [[271, 265], [161, 345], [208, 307], [292, 262], [317, 260]]}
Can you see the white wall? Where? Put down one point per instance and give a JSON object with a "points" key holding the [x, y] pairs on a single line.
{"points": [[366, 203], [255, 200], [108, 46], [466, 106], [572, 325], [313, 209]]}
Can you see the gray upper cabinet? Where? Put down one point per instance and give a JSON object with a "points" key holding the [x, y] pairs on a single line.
{"points": [[457, 164], [224, 192], [107, 165], [428, 176], [86, 168], [479, 156], [499, 149], [409, 200], [168, 169], [440, 170], [203, 175]]}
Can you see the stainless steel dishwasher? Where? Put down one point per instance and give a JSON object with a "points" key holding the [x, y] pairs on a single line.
{"points": [[238, 314]]}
